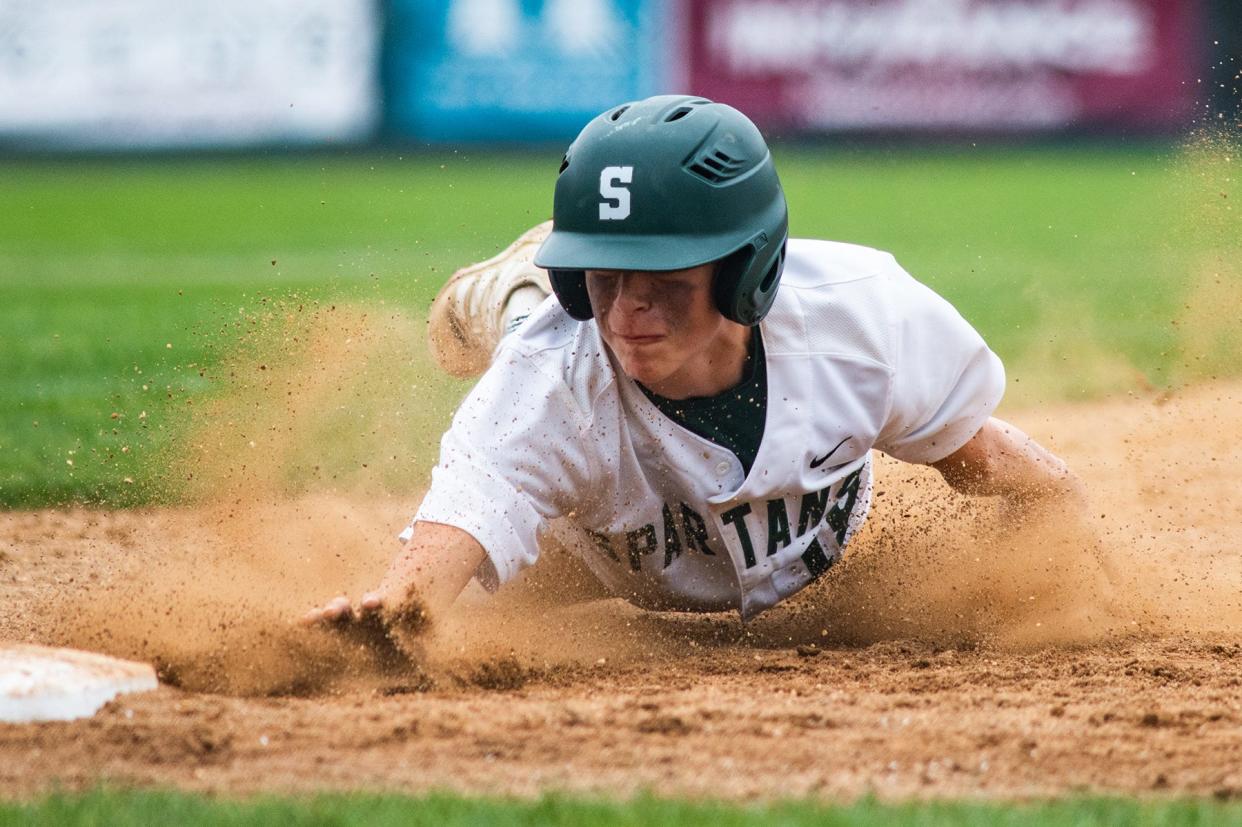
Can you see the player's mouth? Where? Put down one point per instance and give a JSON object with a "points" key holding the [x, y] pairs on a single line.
{"points": [[641, 340]]}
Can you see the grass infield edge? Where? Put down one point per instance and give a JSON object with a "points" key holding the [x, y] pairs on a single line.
{"points": [[115, 806]]}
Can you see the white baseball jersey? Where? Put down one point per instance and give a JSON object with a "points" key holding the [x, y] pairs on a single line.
{"points": [[556, 440]]}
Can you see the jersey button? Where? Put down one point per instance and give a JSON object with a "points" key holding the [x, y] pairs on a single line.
{"points": [[722, 468]]}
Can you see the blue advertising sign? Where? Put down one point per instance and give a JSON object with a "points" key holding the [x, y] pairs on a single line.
{"points": [[518, 70]]}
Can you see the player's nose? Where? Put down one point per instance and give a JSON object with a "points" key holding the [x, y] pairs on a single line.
{"points": [[636, 291]]}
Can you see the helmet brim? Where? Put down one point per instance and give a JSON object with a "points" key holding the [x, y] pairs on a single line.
{"points": [[564, 250]]}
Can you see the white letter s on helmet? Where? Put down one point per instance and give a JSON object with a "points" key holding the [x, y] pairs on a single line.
{"points": [[609, 177]]}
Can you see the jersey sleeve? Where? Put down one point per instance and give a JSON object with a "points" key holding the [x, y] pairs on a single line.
{"points": [[508, 463], [946, 382]]}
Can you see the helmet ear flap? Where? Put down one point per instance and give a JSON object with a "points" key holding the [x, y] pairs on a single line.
{"points": [[746, 281], [570, 289], [729, 272]]}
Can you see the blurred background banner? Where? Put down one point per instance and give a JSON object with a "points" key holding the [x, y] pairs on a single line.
{"points": [[142, 73], [516, 70], [830, 65], [139, 74]]}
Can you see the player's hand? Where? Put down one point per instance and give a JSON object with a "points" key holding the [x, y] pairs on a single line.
{"points": [[362, 625], [339, 609], [393, 620]]}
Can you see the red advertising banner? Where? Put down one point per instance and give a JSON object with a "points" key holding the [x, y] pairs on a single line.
{"points": [[828, 65]]}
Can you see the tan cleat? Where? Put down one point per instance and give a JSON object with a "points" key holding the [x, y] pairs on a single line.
{"points": [[468, 318]]}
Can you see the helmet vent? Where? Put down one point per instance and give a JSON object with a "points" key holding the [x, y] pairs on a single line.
{"points": [[618, 113], [564, 165], [716, 166], [678, 114]]}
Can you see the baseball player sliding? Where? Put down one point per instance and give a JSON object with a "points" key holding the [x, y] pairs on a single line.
{"points": [[697, 406]]}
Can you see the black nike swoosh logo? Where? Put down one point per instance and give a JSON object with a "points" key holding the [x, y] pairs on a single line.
{"points": [[818, 461]]}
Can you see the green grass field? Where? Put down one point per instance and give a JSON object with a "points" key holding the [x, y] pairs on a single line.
{"points": [[141, 808], [132, 294], [122, 281]]}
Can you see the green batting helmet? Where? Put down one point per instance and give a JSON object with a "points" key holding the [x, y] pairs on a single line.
{"points": [[667, 183]]}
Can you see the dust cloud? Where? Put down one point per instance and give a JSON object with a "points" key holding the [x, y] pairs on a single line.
{"points": [[293, 479]]}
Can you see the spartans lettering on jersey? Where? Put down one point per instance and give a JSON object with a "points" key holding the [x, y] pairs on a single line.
{"points": [[682, 530]]}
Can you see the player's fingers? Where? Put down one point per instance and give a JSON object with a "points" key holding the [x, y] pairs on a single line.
{"points": [[337, 609], [370, 602], [327, 612]]}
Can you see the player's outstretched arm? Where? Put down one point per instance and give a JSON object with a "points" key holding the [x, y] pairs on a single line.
{"points": [[1002, 460], [421, 583]]}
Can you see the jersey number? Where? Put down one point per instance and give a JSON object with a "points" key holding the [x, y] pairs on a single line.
{"points": [[616, 203]]}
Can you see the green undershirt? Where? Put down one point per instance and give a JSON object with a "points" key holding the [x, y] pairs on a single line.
{"points": [[733, 419]]}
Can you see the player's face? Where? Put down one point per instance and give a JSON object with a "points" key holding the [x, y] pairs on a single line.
{"points": [[665, 331]]}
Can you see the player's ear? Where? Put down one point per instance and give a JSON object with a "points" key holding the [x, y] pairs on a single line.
{"points": [[570, 289]]}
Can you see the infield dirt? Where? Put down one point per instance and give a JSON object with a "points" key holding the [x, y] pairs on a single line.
{"points": [[940, 658]]}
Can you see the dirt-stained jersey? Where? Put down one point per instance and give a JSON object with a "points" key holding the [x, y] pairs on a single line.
{"points": [[555, 440]]}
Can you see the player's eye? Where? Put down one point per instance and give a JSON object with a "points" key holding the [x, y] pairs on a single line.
{"points": [[675, 289], [602, 284]]}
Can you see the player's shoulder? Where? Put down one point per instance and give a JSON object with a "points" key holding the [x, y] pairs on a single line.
{"points": [[837, 298], [552, 349], [813, 263]]}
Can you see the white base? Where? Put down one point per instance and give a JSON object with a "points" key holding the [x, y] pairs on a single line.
{"points": [[39, 683]]}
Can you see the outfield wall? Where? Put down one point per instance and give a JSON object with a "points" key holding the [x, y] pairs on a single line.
{"points": [[133, 74]]}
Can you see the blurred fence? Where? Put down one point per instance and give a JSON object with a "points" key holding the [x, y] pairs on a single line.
{"points": [[170, 73]]}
